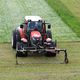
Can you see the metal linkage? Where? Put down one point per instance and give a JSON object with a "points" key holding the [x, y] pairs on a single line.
{"points": [[65, 54], [55, 50], [16, 59]]}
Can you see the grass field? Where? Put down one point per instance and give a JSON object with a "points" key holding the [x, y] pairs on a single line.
{"points": [[40, 67], [12, 14], [64, 28], [73, 6], [65, 13]]}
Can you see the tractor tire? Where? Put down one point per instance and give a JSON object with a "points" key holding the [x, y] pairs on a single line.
{"points": [[50, 54], [18, 38], [20, 54], [49, 34], [54, 43], [14, 40]]}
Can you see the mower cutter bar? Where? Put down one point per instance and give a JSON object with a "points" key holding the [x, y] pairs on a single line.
{"points": [[54, 50]]}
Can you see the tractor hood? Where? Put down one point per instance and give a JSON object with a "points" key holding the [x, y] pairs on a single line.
{"points": [[35, 34]]}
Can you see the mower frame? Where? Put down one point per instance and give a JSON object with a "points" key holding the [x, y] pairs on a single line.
{"points": [[51, 49]]}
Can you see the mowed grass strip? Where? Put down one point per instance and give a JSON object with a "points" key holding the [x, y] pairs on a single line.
{"points": [[12, 14], [44, 69], [73, 6], [65, 15], [10, 17]]}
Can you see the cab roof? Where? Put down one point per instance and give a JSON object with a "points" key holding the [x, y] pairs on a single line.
{"points": [[33, 18]]}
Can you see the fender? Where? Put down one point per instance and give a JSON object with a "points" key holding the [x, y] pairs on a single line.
{"points": [[22, 33]]}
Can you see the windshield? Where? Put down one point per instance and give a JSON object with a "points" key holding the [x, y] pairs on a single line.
{"points": [[34, 25]]}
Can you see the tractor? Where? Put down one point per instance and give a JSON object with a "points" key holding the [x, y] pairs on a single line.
{"points": [[38, 39]]}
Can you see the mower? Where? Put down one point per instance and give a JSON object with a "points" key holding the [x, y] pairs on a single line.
{"points": [[38, 39]]}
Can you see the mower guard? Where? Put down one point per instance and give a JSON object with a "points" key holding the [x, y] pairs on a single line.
{"points": [[53, 50]]}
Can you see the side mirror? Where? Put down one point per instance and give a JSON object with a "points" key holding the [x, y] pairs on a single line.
{"points": [[49, 26], [21, 26]]}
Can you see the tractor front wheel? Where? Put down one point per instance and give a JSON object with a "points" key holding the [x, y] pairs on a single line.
{"points": [[21, 54], [50, 54]]}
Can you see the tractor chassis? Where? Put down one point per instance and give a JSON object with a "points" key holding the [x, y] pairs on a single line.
{"points": [[53, 50]]}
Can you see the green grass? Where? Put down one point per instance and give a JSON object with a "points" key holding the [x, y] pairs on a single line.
{"points": [[37, 67], [65, 15], [73, 6], [40, 67], [12, 14]]}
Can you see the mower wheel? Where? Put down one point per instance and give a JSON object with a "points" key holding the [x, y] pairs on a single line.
{"points": [[20, 54], [49, 34], [66, 61], [14, 40], [50, 54]]}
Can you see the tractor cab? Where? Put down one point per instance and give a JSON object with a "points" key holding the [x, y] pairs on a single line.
{"points": [[34, 23]]}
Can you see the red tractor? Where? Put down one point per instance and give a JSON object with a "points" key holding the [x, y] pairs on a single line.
{"points": [[34, 35]]}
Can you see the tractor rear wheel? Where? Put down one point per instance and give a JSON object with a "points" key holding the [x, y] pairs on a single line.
{"points": [[54, 43], [20, 54], [14, 40], [50, 54]]}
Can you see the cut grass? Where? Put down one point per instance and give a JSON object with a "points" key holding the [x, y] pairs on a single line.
{"points": [[12, 14], [44, 69], [66, 15], [73, 6], [37, 67]]}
